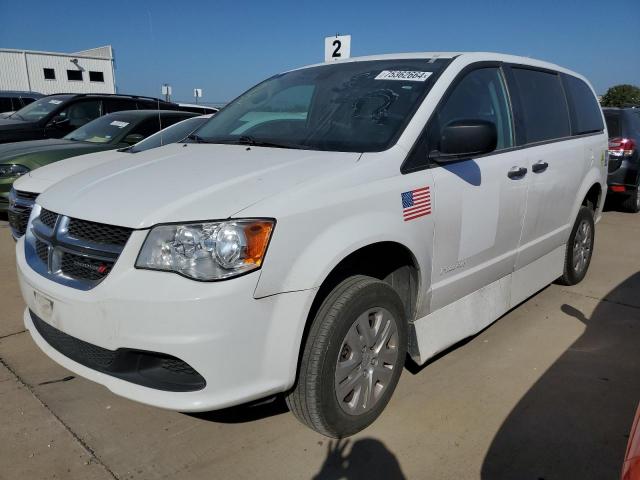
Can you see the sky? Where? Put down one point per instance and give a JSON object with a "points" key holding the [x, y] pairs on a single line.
{"points": [[225, 47]]}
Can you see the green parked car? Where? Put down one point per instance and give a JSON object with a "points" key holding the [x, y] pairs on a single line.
{"points": [[116, 130]]}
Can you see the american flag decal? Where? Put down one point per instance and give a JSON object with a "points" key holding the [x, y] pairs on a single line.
{"points": [[416, 203]]}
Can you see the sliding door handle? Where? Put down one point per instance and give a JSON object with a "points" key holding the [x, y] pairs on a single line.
{"points": [[517, 172], [539, 167]]}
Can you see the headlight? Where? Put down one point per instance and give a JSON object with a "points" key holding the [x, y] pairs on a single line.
{"points": [[8, 171], [207, 251]]}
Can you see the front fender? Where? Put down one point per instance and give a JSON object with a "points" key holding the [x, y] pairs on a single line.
{"points": [[305, 250]]}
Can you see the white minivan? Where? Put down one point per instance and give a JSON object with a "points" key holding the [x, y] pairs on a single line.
{"points": [[322, 226]]}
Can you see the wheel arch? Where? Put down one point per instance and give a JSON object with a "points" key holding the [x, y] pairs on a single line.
{"points": [[389, 261]]}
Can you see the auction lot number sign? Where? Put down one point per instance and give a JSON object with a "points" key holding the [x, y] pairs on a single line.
{"points": [[337, 47]]}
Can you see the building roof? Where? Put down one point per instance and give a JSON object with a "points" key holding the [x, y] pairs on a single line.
{"points": [[98, 53]]}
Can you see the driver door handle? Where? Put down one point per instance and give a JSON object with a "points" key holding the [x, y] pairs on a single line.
{"points": [[517, 172], [539, 166]]}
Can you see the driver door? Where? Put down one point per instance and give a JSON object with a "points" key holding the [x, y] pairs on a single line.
{"points": [[479, 202]]}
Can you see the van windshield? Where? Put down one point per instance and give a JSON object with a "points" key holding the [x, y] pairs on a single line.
{"points": [[39, 109], [351, 107]]}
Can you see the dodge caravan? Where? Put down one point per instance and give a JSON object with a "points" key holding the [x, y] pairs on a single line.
{"points": [[319, 228]]}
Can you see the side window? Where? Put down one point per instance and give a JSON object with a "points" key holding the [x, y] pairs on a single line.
{"points": [[147, 127], [82, 112], [49, 73], [27, 100], [635, 115], [119, 104], [5, 104], [168, 120], [150, 105], [586, 116], [480, 95], [544, 106]]}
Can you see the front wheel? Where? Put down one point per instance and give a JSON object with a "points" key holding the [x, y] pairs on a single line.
{"points": [[352, 359], [579, 248]]}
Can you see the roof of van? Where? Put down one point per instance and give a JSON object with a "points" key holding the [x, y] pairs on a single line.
{"points": [[470, 56]]}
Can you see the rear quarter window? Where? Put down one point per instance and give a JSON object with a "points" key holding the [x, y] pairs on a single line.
{"points": [[544, 107], [586, 116]]}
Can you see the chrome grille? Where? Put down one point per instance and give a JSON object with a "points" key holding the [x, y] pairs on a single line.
{"points": [[80, 267], [74, 252], [20, 205], [98, 232], [42, 250], [48, 218], [28, 196], [18, 220]]}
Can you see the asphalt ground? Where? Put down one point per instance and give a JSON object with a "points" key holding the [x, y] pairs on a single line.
{"points": [[547, 392]]}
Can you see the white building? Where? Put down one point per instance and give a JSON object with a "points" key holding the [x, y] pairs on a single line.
{"points": [[88, 71]]}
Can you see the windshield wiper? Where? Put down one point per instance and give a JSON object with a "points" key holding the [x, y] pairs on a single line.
{"points": [[196, 138], [252, 142]]}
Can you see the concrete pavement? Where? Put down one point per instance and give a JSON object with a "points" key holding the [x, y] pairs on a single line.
{"points": [[548, 391]]}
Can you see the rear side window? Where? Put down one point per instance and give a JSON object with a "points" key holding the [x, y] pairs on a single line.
{"points": [[586, 116], [544, 106], [119, 104], [153, 105], [613, 124]]}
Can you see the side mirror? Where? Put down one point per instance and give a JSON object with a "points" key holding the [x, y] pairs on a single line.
{"points": [[465, 138], [133, 138], [58, 121]]}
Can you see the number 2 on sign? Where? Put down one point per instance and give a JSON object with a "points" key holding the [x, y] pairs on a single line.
{"points": [[336, 53]]}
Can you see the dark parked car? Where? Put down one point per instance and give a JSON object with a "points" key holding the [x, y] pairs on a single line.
{"points": [[623, 125], [116, 130], [22, 198], [54, 116], [12, 100]]}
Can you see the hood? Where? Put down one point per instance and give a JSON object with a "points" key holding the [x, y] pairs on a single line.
{"points": [[14, 124], [17, 149], [186, 182], [38, 180]]}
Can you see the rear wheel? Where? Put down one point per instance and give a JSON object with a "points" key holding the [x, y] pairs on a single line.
{"points": [[632, 202], [352, 359], [579, 248]]}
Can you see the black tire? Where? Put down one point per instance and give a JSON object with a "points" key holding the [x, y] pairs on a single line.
{"points": [[573, 275], [314, 399], [631, 203]]}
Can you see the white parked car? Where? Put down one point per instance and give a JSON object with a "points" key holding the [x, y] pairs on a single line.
{"points": [[320, 227]]}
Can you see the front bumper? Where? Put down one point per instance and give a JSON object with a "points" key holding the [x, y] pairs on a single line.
{"points": [[245, 348]]}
